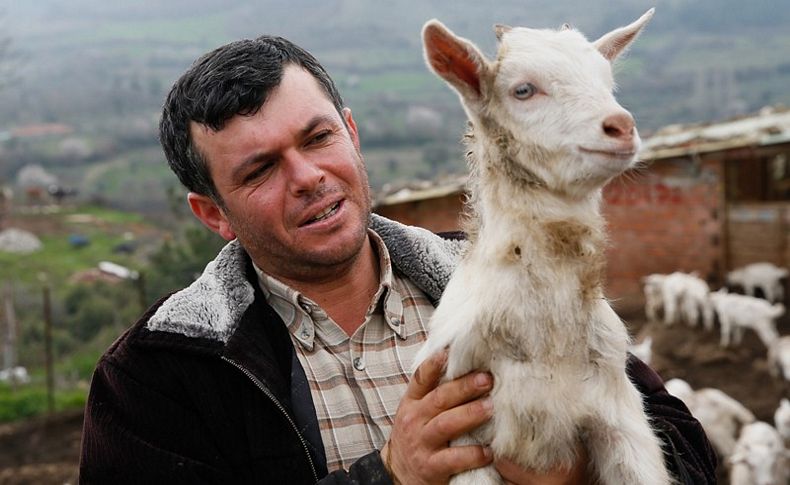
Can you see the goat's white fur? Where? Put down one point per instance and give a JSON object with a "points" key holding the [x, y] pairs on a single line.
{"points": [[526, 300]]}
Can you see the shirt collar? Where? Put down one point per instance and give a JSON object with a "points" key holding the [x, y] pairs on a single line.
{"points": [[300, 313]]}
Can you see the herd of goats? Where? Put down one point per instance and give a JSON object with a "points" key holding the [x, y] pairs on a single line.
{"points": [[754, 452]]}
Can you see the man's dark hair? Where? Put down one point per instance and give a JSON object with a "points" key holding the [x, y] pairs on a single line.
{"points": [[234, 79]]}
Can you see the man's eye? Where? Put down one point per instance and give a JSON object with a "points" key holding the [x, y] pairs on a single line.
{"points": [[258, 172], [320, 137]]}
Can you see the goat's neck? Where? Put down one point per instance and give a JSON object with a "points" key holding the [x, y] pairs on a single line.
{"points": [[519, 217]]}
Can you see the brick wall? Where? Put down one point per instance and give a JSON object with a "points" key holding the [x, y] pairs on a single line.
{"points": [[664, 219], [437, 215], [758, 232]]}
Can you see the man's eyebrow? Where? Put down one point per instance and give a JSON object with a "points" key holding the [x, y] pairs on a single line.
{"points": [[253, 159], [259, 157], [316, 121]]}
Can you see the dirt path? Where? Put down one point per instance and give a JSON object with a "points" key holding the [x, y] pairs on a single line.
{"points": [[41, 450]]}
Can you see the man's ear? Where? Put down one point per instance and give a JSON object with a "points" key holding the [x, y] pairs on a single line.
{"points": [[207, 211], [352, 127]]}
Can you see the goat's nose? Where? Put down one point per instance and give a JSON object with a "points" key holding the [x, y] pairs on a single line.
{"points": [[620, 126]]}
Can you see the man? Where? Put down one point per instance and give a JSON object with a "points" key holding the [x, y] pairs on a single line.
{"points": [[288, 360]]}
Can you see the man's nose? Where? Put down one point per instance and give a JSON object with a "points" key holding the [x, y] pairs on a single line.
{"points": [[304, 175]]}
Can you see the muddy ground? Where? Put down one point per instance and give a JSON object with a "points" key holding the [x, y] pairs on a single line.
{"points": [[46, 450]]}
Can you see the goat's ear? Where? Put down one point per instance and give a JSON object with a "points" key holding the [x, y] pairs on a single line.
{"points": [[500, 30], [614, 43], [454, 59]]}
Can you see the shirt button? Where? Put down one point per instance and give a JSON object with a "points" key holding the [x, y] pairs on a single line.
{"points": [[359, 364], [305, 333], [395, 321]]}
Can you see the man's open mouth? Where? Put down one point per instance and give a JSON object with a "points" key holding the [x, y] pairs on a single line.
{"points": [[328, 212]]}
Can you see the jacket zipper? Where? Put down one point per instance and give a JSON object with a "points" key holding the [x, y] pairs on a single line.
{"points": [[269, 394]]}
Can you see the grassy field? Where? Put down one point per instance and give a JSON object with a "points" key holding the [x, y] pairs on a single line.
{"points": [[72, 375], [58, 258], [21, 278]]}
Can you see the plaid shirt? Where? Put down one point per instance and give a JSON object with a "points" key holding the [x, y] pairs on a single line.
{"points": [[357, 381]]}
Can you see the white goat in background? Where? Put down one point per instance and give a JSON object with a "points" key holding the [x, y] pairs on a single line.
{"points": [[779, 357], [721, 416], [737, 312], [652, 285], [766, 276], [759, 458], [686, 296], [526, 300]]}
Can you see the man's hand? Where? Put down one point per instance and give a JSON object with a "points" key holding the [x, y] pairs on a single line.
{"points": [[579, 474], [429, 416]]}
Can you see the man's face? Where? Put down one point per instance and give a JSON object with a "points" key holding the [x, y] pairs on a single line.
{"points": [[292, 179]]}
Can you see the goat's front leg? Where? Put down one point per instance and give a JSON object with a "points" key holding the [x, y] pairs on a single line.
{"points": [[737, 334], [707, 316], [670, 308], [726, 328], [465, 356], [623, 446]]}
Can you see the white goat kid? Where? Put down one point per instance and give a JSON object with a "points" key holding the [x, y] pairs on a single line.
{"points": [[738, 312], [526, 300], [719, 414], [782, 419], [766, 276], [686, 296], [760, 457]]}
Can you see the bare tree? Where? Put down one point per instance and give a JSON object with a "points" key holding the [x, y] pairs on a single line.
{"points": [[6, 53]]}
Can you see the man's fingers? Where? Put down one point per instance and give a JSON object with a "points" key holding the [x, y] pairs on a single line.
{"points": [[457, 459], [459, 391], [427, 376], [454, 422]]}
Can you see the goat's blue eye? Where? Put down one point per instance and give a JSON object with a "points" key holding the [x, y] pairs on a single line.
{"points": [[524, 91]]}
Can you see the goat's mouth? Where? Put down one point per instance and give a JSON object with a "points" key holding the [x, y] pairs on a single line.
{"points": [[611, 154]]}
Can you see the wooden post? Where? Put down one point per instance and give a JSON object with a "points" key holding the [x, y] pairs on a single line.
{"points": [[9, 342], [48, 346], [140, 283]]}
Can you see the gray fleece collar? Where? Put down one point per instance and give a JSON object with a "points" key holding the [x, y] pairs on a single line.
{"points": [[212, 306]]}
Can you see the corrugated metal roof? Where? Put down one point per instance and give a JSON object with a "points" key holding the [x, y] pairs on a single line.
{"points": [[769, 126], [421, 190]]}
